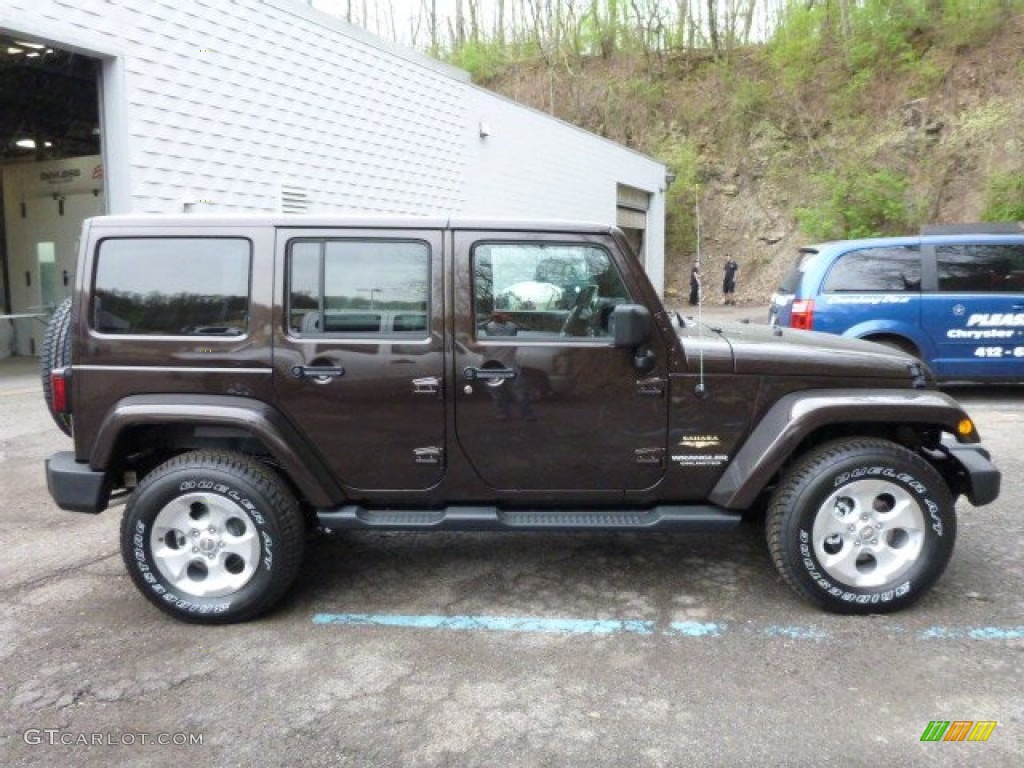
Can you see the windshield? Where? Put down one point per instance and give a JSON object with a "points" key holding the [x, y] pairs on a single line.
{"points": [[791, 281]]}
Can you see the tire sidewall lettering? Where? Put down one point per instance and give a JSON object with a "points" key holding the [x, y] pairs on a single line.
{"points": [[841, 592], [888, 473]]}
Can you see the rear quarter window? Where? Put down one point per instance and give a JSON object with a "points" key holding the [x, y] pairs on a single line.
{"points": [[791, 282], [893, 269], [173, 286]]}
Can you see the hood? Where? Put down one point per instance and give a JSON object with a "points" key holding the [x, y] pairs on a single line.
{"points": [[764, 350]]}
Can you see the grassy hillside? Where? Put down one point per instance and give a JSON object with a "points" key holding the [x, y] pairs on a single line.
{"points": [[873, 121]]}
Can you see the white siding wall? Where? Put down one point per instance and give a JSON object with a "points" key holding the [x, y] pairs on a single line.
{"points": [[224, 101], [220, 102], [531, 165]]}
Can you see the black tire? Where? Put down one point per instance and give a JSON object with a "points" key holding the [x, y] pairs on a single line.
{"points": [[861, 525], [56, 353], [188, 512]]}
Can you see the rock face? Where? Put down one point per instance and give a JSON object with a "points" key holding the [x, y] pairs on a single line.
{"points": [[760, 146]]}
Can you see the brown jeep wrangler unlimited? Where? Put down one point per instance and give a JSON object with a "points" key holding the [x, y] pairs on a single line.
{"points": [[242, 380]]}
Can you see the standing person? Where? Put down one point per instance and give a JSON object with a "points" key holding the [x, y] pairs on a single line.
{"points": [[694, 285], [729, 283]]}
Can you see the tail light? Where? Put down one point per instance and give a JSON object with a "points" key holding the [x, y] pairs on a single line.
{"points": [[802, 314], [59, 390]]}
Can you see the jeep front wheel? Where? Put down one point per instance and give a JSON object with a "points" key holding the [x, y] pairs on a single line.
{"points": [[212, 537], [861, 526]]}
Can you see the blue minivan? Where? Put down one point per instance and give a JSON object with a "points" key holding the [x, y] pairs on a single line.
{"points": [[955, 299]]}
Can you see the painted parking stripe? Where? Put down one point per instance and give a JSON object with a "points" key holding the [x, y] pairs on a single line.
{"points": [[797, 633], [695, 629], [972, 633], [492, 623], [688, 629]]}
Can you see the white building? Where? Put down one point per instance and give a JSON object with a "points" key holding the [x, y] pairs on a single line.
{"points": [[266, 105]]}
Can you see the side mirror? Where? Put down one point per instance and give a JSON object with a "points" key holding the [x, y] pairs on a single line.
{"points": [[631, 325]]}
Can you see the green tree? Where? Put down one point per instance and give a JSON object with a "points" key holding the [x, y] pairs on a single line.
{"points": [[1004, 197], [857, 202]]}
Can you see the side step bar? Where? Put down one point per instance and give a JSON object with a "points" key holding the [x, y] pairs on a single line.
{"points": [[472, 518]]}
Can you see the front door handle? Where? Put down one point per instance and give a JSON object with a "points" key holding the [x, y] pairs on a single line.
{"points": [[488, 374], [319, 373]]}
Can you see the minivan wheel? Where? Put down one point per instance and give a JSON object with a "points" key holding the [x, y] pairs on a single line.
{"points": [[894, 342], [56, 353], [212, 537], [861, 526]]}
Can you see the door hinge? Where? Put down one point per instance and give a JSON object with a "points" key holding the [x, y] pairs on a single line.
{"points": [[429, 455], [429, 385], [650, 456], [651, 387]]}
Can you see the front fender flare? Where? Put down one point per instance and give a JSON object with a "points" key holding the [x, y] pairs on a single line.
{"points": [[797, 415], [264, 422]]}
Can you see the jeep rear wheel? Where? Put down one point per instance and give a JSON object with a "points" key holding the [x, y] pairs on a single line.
{"points": [[212, 537], [861, 526]]}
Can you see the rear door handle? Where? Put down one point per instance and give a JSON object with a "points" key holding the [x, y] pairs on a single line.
{"points": [[487, 374]]}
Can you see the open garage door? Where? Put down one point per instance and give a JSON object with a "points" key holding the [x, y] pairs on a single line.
{"points": [[52, 179], [631, 216]]}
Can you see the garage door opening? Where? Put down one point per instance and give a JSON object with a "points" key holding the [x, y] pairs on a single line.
{"points": [[631, 216], [51, 171]]}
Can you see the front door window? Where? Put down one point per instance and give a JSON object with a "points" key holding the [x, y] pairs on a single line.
{"points": [[541, 291]]}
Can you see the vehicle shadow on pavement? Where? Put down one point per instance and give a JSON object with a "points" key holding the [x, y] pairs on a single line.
{"points": [[627, 575]]}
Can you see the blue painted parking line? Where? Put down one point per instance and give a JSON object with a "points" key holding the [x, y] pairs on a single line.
{"points": [[492, 623], [797, 633], [972, 633], [688, 629], [695, 629]]}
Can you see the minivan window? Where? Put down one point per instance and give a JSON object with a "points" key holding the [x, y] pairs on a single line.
{"points": [[980, 268], [172, 286], [884, 269], [791, 282], [361, 287]]}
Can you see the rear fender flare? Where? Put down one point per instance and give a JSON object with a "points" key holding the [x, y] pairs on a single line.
{"points": [[264, 422]]}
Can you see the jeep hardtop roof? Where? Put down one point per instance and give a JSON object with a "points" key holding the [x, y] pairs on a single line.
{"points": [[135, 222]]}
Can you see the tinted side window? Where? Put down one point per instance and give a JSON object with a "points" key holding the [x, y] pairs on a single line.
{"points": [[980, 268], [544, 290], [360, 287], [176, 286], [890, 269]]}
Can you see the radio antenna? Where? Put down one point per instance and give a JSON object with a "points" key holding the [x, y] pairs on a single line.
{"points": [[701, 389]]}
